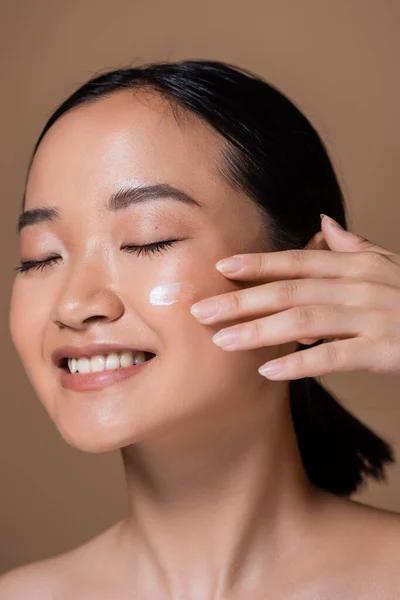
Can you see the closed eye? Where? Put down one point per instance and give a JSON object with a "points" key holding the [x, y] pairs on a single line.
{"points": [[41, 265], [150, 248]]}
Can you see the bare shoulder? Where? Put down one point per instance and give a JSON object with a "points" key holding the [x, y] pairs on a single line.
{"points": [[33, 581], [58, 577], [380, 525], [378, 533], [384, 526], [367, 534]]}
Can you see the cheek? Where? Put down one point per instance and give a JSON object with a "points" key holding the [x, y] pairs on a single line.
{"points": [[168, 307], [196, 372], [27, 320], [183, 285], [169, 311]]}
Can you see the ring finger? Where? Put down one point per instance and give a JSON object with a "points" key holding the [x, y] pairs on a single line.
{"points": [[294, 324]]}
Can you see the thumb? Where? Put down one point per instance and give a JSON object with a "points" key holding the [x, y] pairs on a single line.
{"points": [[342, 240]]}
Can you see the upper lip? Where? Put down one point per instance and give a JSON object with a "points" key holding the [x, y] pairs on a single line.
{"points": [[63, 352]]}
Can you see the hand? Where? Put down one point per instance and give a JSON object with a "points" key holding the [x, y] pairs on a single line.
{"points": [[349, 292]]}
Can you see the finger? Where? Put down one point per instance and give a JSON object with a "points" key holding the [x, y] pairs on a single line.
{"points": [[343, 355], [342, 240], [269, 298], [363, 265], [294, 324]]}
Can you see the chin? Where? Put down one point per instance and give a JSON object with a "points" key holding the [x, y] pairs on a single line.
{"points": [[94, 440], [88, 441], [93, 427], [103, 428]]}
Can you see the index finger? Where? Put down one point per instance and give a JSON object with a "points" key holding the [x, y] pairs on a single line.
{"points": [[299, 263]]}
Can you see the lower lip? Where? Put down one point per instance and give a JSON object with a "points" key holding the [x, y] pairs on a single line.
{"points": [[83, 382]]}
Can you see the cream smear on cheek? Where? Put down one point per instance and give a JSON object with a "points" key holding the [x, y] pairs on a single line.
{"points": [[170, 293]]}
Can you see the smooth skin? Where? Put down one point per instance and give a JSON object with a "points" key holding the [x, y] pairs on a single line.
{"points": [[220, 507]]}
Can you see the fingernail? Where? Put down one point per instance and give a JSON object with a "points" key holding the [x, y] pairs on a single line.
{"points": [[225, 338], [271, 368], [229, 265], [204, 309], [331, 221]]}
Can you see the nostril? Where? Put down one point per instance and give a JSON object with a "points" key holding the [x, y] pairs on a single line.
{"points": [[95, 318]]}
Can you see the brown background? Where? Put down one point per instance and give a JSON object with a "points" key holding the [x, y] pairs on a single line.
{"points": [[337, 59]]}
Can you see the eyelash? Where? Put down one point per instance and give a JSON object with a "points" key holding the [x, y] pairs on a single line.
{"points": [[41, 265]]}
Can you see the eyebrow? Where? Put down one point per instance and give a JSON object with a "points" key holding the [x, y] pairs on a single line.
{"points": [[119, 200]]}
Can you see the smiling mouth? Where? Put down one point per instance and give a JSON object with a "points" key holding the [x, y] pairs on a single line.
{"points": [[98, 363]]}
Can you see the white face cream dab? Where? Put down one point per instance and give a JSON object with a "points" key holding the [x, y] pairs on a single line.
{"points": [[169, 293]]}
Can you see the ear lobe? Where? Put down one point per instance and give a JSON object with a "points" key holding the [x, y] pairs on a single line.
{"points": [[317, 242], [308, 341]]}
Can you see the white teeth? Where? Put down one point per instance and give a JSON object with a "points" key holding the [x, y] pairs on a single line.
{"points": [[98, 363], [112, 361], [126, 359], [73, 366], [83, 365]]}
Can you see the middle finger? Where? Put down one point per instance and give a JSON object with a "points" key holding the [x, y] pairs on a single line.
{"points": [[271, 297]]}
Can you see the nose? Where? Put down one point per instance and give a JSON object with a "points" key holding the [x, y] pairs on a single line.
{"points": [[86, 299]]}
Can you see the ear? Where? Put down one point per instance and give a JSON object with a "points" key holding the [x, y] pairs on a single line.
{"points": [[317, 242]]}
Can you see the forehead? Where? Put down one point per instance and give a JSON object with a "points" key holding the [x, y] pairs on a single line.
{"points": [[128, 136]]}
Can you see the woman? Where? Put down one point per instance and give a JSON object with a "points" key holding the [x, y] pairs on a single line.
{"points": [[238, 482]]}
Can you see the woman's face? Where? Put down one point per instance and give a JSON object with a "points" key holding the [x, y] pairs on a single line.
{"points": [[96, 297]]}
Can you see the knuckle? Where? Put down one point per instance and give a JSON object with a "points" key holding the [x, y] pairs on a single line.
{"points": [[298, 257], [288, 291], [305, 318], [262, 260], [332, 356], [234, 303]]}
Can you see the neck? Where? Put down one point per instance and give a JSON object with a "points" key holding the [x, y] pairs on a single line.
{"points": [[209, 501]]}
